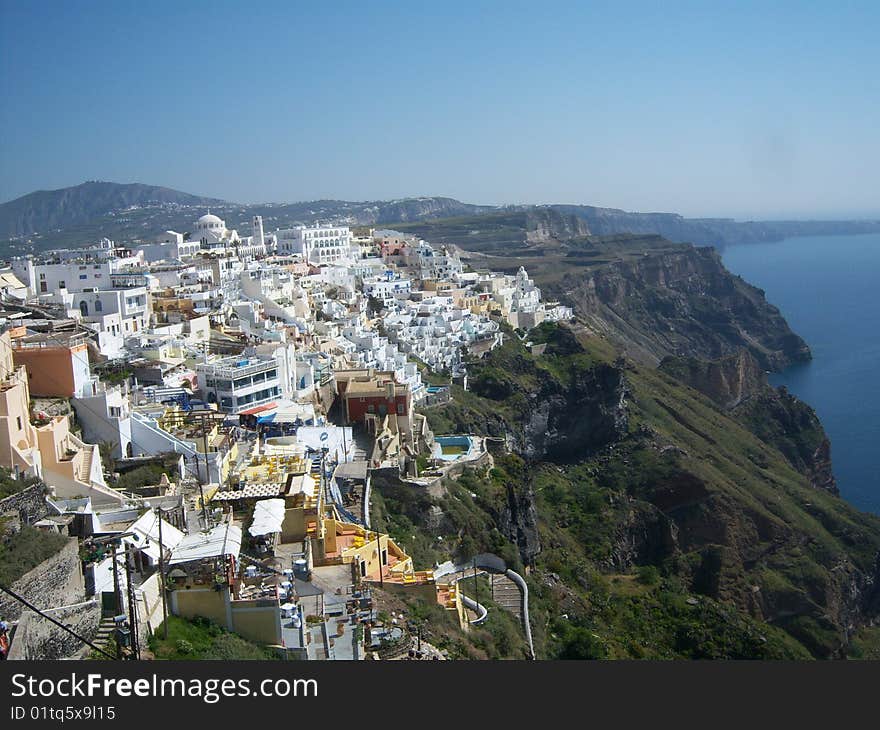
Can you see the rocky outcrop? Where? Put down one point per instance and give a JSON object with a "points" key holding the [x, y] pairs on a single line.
{"points": [[729, 381], [546, 224], [567, 422], [739, 386], [684, 303], [565, 415], [518, 521]]}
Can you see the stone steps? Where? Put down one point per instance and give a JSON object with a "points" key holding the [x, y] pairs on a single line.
{"points": [[506, 594]]}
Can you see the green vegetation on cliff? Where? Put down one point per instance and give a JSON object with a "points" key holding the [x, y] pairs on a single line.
{"points": [[653, 523]]}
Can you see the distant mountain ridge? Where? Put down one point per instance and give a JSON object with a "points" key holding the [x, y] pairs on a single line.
{"points": [[133, 211], [717, 232], [45, 210]]}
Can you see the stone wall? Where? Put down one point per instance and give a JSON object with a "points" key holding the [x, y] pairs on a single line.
{"points": [[38, 638], [29, 505], [57, 581]]}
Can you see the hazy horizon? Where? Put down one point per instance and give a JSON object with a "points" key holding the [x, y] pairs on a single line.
{"points": [[753, 113]]}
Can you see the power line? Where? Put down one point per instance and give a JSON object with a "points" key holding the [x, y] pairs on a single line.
{"points": [[46, 616]]}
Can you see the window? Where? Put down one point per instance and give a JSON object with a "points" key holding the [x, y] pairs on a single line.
{"points": [[98, 306], [18, 421], [83, 276], [62, 285]]}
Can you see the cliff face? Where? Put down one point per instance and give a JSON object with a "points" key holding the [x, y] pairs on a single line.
{"points": [[738, 385], [569, 419], [708, 231], [623, 465], [728, 381], [546, 224], [683, 303]]}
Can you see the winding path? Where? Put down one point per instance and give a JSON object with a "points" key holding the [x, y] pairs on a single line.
{"points": [[490, 563]]}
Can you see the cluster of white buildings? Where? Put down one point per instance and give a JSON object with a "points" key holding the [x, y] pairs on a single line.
{"points": [[259, 324], [245, 364]]}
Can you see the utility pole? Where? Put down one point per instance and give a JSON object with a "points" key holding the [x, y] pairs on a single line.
{"points": [[159, 512], [132, 608], [118, 592], [207, 471]]}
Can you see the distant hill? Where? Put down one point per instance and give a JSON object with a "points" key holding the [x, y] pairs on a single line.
{"points": [[46, 210], [83, 214]]}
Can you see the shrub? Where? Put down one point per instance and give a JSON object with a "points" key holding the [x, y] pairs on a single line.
{"points": [[648, 575], [183, 646]]}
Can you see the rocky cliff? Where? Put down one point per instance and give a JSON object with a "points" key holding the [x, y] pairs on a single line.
{"points": [[621, 468], [681, 302], [717, 232], [738, 385]]}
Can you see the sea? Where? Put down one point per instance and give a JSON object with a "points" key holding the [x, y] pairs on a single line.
{"points": [[828, 288]]}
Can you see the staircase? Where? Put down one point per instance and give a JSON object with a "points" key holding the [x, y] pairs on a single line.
{"points": [[506, 594], [83, 473], [106, 632]]}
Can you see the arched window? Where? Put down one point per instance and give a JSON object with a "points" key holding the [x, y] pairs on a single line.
{"points": [[84, 308], [98, 306]]}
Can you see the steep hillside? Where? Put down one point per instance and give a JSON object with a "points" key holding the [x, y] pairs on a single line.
{"points": [[680, 302], [662, 526], [738, 385]]}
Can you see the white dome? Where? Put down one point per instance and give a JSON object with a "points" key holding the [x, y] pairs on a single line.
{"points": [[209, 218]]}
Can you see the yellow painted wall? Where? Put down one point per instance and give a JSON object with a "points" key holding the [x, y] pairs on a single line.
{"points": [[262, 625], [191, 602]]}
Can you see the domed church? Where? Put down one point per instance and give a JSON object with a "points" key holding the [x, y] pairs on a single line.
{"points": [[212, 232]]}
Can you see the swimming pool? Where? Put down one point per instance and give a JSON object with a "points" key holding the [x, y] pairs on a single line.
{"points": [[451, 448]]}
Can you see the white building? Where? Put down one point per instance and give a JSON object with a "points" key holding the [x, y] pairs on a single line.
{"points": [[317, 244], [238, 384], [170, 246]]}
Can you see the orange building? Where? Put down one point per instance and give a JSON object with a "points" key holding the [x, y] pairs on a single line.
{"points": [[57, 363]]}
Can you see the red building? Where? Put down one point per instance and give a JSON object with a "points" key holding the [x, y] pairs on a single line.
{"points": [[364, 392]]}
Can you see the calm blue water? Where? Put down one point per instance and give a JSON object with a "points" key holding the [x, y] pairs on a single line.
{"points": [[828, 287]]}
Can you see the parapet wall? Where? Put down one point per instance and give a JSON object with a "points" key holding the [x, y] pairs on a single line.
{"points": [[57, 581], [38, 638]]}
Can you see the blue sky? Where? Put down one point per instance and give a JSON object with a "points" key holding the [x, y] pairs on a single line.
{"points": [[749, 110]]}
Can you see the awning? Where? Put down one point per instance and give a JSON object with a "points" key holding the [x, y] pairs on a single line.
{"points": [[268, 516], [221, 540], [258, 409], [146, 535]]}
